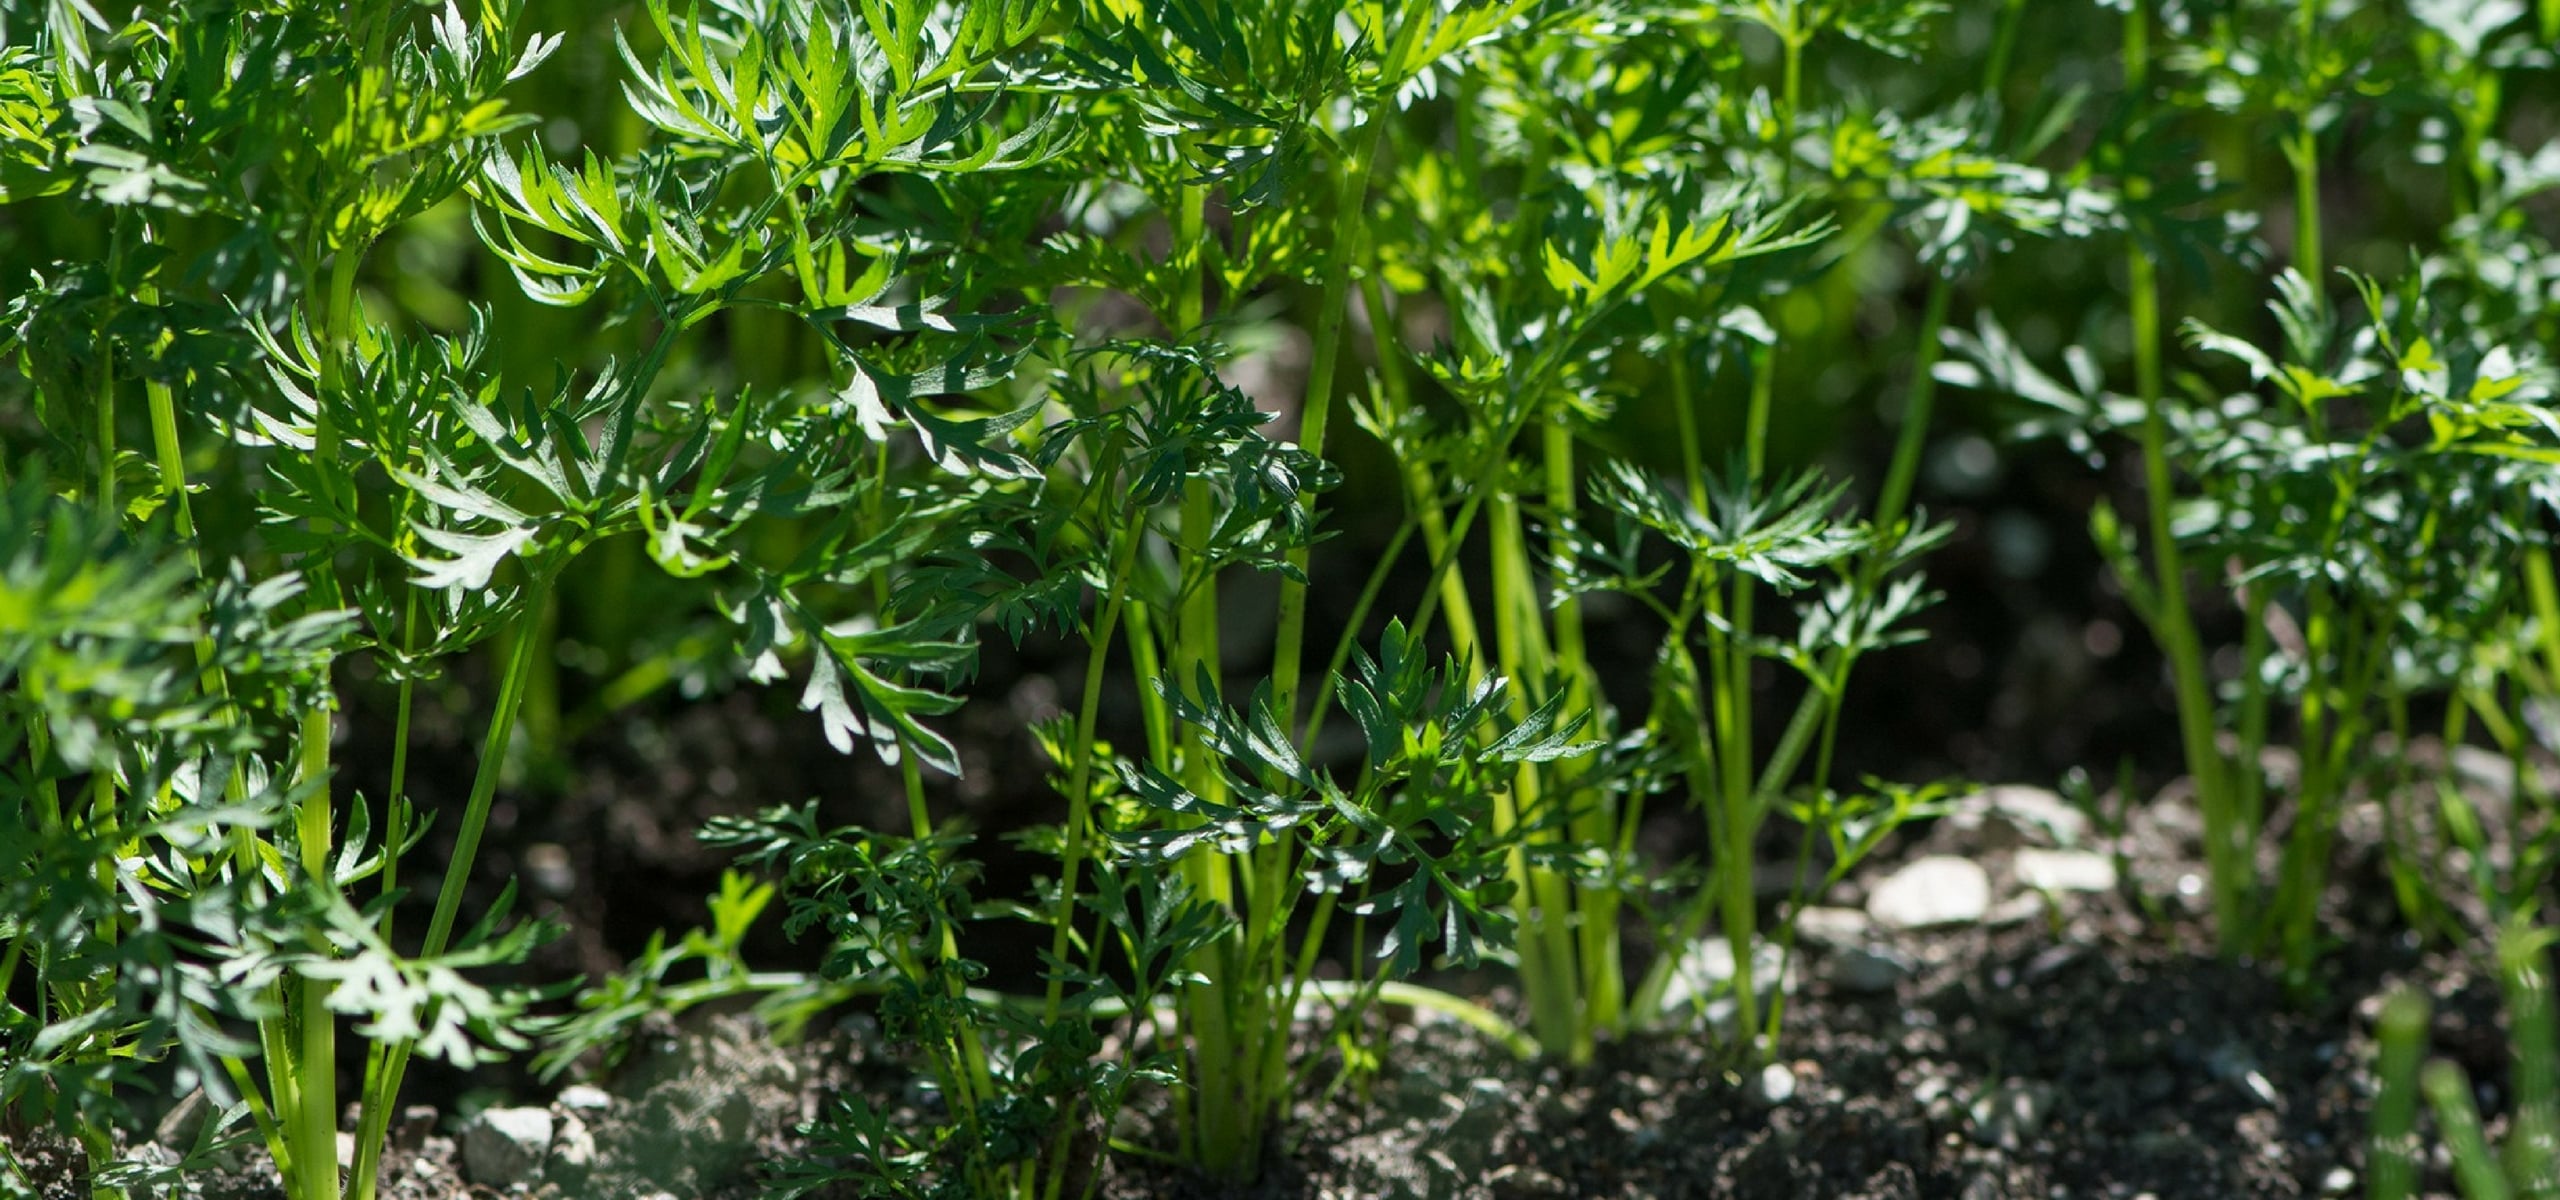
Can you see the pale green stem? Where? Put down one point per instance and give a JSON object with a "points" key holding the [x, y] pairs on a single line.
{"points": [[1080, 774], [475, 820], [2229, 849], [1344, 254]]}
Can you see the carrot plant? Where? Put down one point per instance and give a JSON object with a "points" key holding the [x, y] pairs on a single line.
{"points": [[1656, 277], [233, 209], [2364, 502], [363, 359]]}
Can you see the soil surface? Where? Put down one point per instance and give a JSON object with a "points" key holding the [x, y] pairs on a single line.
{"points": [[2060, 1043]]}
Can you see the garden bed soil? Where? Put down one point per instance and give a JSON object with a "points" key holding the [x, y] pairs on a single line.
{"points": [[2061, 1044]]}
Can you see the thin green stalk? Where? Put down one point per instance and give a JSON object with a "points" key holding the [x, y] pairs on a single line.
{"points": [[105, 433], [1444, 538], [1914, 435], [1790, 102], [2399, 846], [2539, 586], [1593, 911], [102, 815], [1148, 663], [2302, 148], [2332, 734], [313, 1116], [484, 777], [1349, 245], [1799, 894], [1316, 408], [2297, 890], [173, 491], [1738, 805], [1736, 810], [975, 1085], [1358, 620], [1684, 407], [2475, 1168], [2402, 1032], [494, 743], [1547, 970], [395, 807], [2004, 43], [1080, 775], [2248, 778], [1222, 1005], [2524, 975], [2228, 847], [373, 1126]]}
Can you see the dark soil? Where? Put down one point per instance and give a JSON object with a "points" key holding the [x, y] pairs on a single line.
{"points": [[2074, 1051], [2071, 1045]]}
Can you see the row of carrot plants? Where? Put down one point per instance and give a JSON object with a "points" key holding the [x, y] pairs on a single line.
{"points": [[892, 326]]}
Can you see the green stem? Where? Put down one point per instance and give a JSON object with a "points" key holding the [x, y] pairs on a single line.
{"points": [[1737, 807], [2475, 1167], [973, 1085], [1790, 103], [484, 778], [105, 401], [384, 1088], [1315, 412], [2229, 853], [2393, 1153], [1896, 493], [2004, 43], [1343, 645], [395, 803], [1548, 972], [2302, 150], [1080, 776], [313, 1116]]}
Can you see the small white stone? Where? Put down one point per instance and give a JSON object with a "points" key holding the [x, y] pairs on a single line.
{"points": [[1937, 890], [1706, 971], [2011, 1115], [1774, 1085], [585, 1097], [1862, 971], [178, 1129], [573, 1152], [2066, 871], [1825, 926], [505, 1146], [2011, 814]]}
